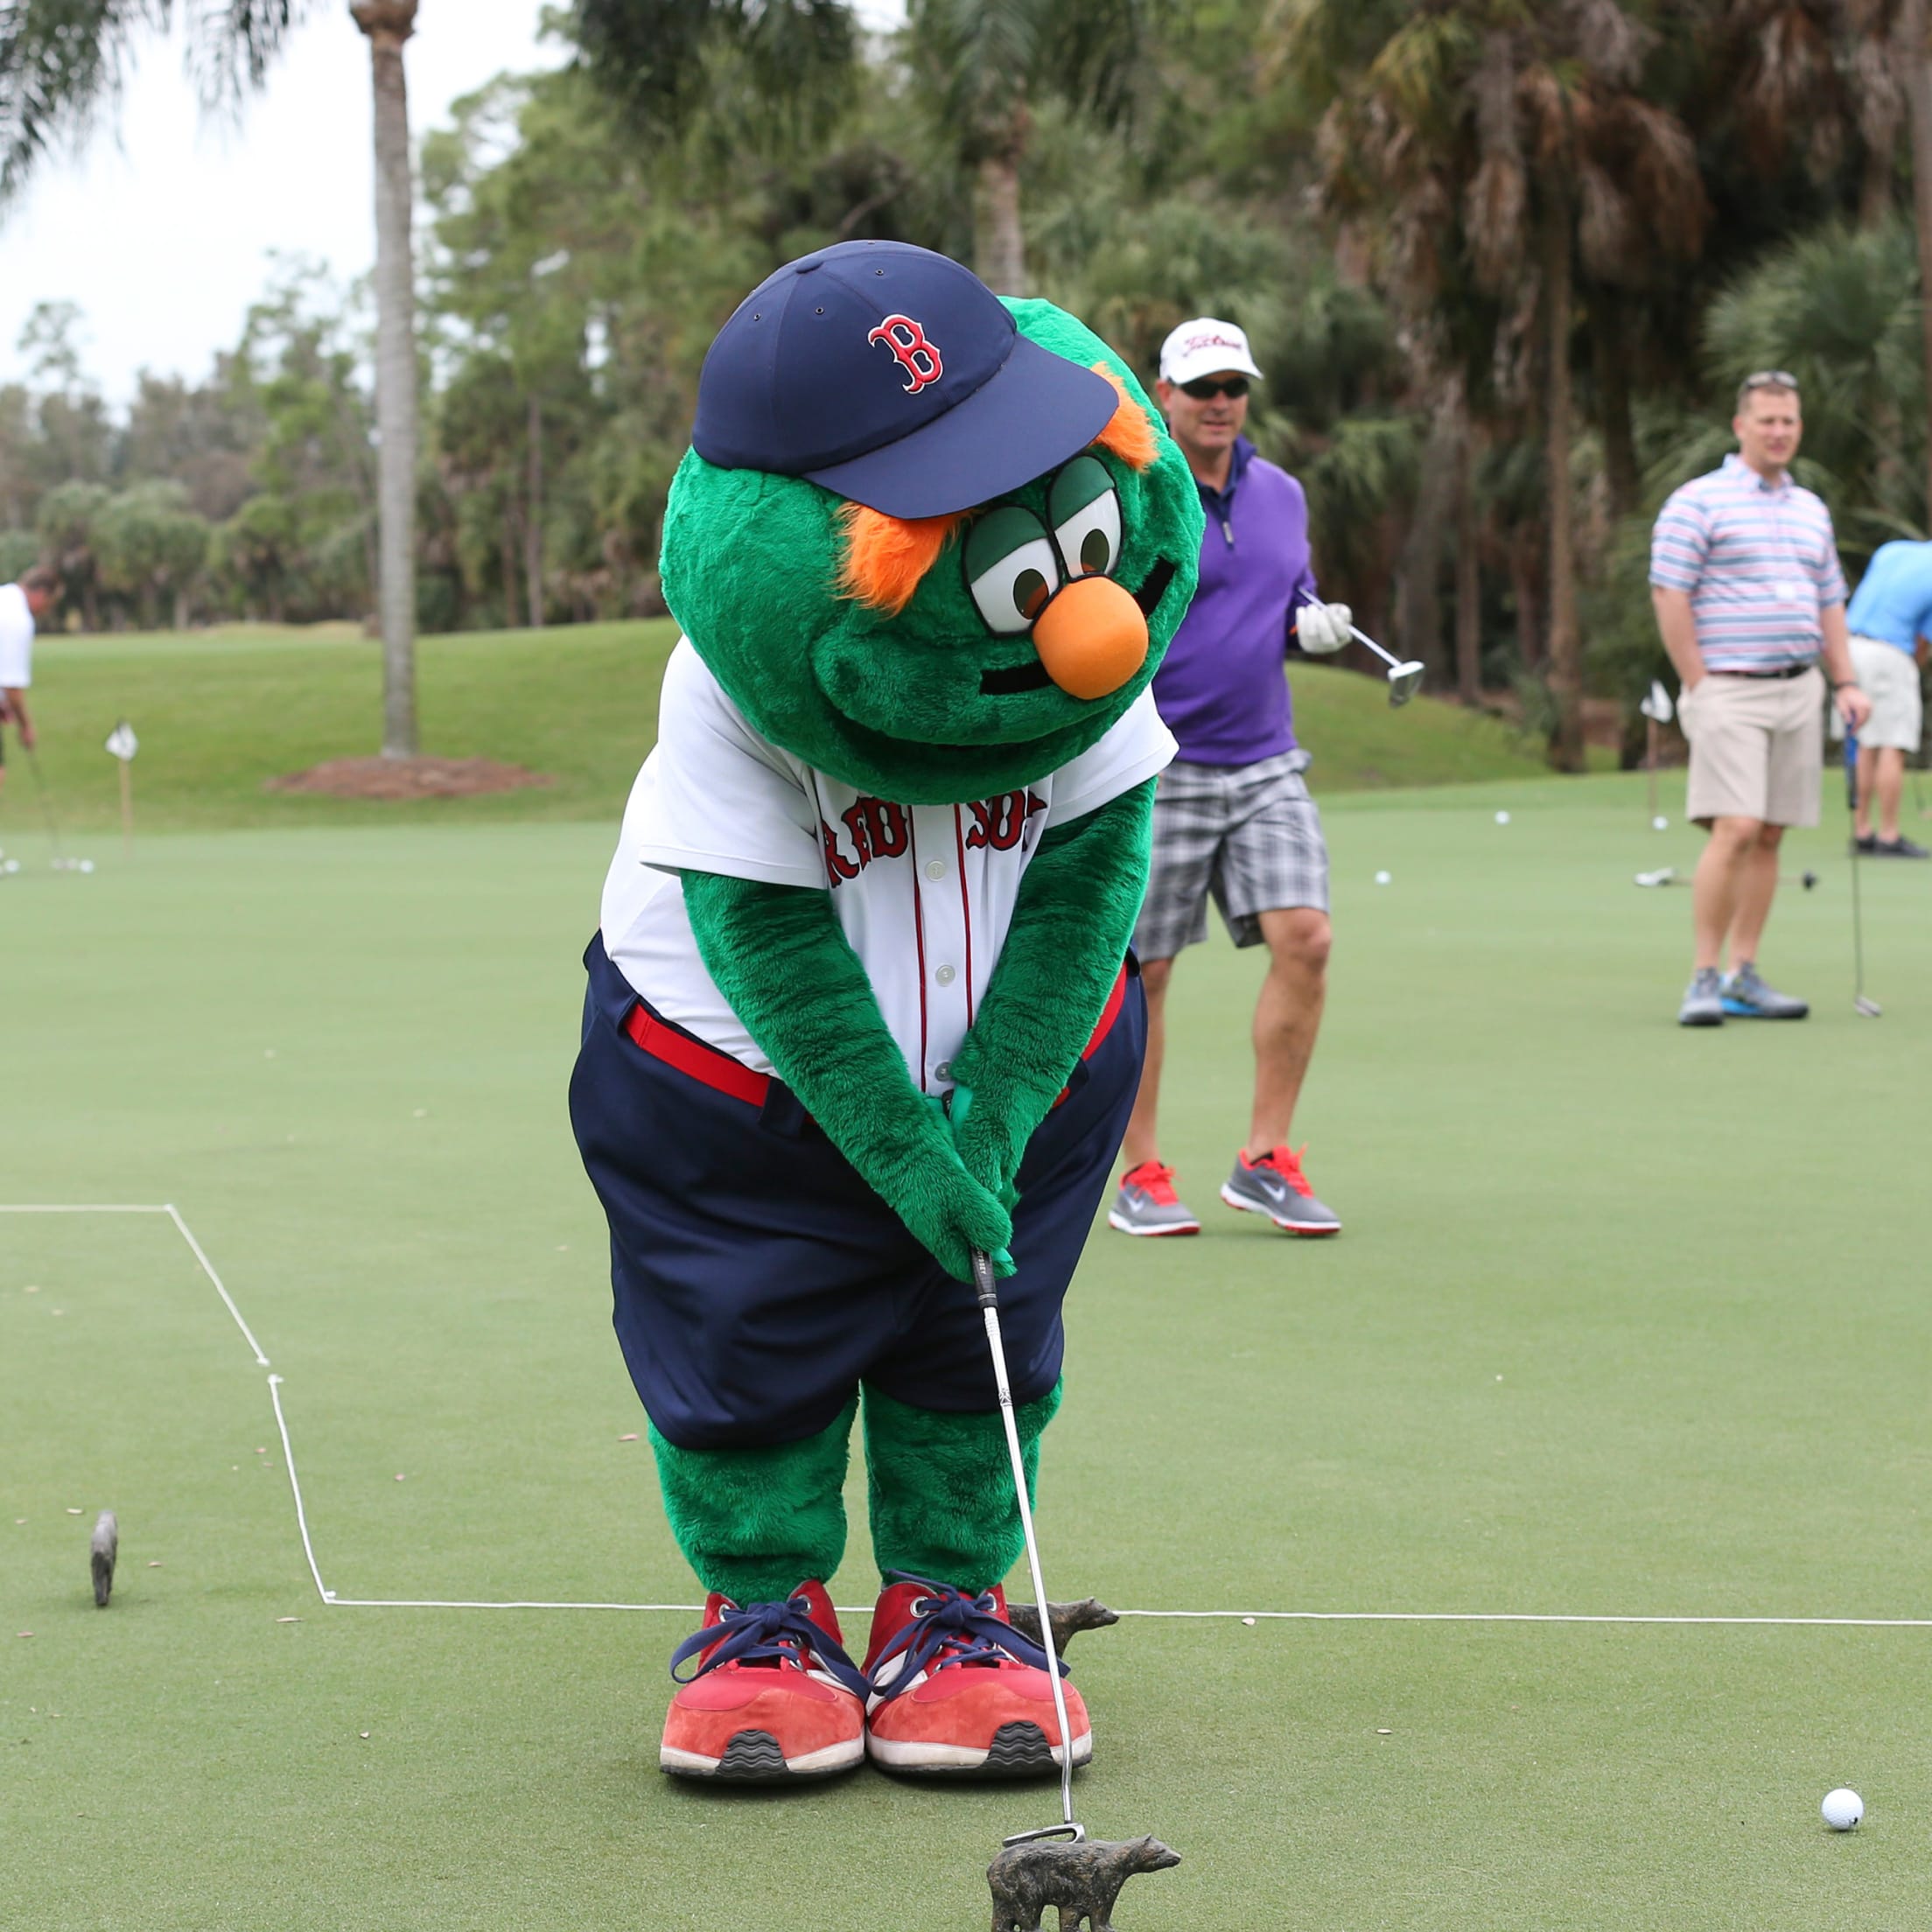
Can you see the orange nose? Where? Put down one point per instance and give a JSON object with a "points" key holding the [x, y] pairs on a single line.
{"points": [[1091, 638]]}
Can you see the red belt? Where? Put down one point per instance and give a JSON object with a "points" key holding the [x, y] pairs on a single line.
{"points": [[731, 1076]]}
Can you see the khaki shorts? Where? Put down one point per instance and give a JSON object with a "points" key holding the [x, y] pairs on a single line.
{"points": [[1756, 747], [1890, 678]]}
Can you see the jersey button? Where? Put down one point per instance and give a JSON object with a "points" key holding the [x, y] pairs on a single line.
{"points": [[944, 976], [935, 868], [943, 1071]]}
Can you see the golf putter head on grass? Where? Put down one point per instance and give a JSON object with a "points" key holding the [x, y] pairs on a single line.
{"points": [[103, 1547]]}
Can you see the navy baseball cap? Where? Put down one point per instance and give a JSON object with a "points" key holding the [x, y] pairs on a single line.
{"points": [[892, 376]]}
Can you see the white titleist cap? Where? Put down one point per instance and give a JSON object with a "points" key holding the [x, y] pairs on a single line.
{"points": [[1203, 348]]}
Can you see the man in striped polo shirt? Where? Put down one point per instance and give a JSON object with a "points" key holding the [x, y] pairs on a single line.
{"points": [[1745, 583]]}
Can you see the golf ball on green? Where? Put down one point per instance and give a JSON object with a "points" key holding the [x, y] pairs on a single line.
{"points": [[1502, 818], [1842, 1809], [1660, 824], [1382, 878]]}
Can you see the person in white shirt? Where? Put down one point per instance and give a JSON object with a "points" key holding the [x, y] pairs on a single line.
{"points": [[22, 605]]}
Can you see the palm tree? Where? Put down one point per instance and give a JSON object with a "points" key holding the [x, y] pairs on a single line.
{"points": [[985, 64], [59, 60], [1504, 152]]}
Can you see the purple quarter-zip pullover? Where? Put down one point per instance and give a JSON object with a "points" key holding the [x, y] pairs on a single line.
{"points": [[1220, 687]]}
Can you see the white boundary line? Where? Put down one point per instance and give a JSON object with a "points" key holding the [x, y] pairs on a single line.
{"points": [[275, 1383]]}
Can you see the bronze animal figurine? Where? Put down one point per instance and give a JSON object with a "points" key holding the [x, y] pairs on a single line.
{"points": [[102, 1550], [1082, 1880], [1066, 1619]]}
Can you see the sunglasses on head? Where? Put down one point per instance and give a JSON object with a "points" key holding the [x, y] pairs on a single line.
{"points": [[1204, 388]]}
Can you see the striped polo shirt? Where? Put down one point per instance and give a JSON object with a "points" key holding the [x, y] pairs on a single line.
{"points": [[1759, 562]]}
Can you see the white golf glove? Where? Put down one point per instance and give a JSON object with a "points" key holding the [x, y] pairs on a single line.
{"points": [[1320, 628]]}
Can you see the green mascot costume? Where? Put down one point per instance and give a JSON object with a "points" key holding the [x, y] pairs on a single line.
{"points": [[861, 1001]]}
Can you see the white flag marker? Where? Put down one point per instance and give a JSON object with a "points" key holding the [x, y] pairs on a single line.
{"points": [[122, 743]]}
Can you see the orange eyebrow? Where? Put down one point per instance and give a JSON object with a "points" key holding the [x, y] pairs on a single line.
{"points": [[1127, 434], [887, 557]]}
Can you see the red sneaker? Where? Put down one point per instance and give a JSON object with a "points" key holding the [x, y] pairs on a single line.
{"points": [[957, 1691], [773, 1698], [1275, 1185], [1148, 1205]]}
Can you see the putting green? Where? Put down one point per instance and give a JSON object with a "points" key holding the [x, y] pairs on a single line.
{"points": [[1625, 1321]]}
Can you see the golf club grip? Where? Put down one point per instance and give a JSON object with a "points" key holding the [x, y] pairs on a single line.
{"points": [[1852, 769], [985, 1287]]}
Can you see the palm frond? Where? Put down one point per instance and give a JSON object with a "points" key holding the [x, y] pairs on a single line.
{"points": [[62, 62]]}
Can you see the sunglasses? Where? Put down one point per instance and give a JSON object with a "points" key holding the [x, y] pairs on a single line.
{"points": [[1203, 388], [1768, 379]]}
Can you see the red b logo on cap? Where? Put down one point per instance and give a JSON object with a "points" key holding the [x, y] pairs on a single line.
{"points": [[919, 357]]}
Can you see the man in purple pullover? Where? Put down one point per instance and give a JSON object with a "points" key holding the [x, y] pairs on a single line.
{"points": [[1232, 818]]}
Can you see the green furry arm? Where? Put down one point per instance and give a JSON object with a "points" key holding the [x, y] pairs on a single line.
{"points": [[1074, 915], [776, 953]]}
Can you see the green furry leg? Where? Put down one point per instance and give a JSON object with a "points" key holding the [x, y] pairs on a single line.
{"points": [[941, 1486], [755, 1523]]}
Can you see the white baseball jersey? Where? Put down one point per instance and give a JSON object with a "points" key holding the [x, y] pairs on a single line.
{"points": [[924, 894], [16, 639]]}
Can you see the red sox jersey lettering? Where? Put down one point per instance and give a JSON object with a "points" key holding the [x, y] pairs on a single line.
{"points": [[876, 828], [914, 351]]}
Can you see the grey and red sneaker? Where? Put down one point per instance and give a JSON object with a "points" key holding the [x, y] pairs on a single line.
{"points": [[1275, 1185], [958, 1692], [773, 1698], [1148, 1205]]}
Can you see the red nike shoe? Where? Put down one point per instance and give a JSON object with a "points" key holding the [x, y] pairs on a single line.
{"points": [[773, 1698], [957, 1691]]}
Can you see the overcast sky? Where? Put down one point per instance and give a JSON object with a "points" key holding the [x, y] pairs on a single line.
{"points": [[160, 228]]}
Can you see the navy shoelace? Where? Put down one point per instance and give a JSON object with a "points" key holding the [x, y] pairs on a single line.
{"points": [[769, 1633], [967, 1629]]}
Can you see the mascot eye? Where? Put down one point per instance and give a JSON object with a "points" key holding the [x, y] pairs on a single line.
{"points": [[1010, 568], [1085, 508]]}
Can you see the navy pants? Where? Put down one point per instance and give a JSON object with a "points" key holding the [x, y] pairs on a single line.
{"points": [[758, 1279]]}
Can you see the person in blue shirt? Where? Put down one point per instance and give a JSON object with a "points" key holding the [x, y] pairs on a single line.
{"points": [[1890, 619]]}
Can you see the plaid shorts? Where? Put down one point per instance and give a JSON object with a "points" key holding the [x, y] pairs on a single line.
{"points": [[1248, 834]]}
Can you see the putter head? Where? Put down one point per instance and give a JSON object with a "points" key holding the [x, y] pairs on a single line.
{"points": [[1073, 1834], [1868, 1008], [102, 1548], [1404, 681]]}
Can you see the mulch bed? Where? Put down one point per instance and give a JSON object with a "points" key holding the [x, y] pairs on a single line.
{"points": [[396, 778]]}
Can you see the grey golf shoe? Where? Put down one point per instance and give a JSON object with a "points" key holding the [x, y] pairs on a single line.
{"points": [[1703, 999], [1148, 1205], [1275, 1185], [1747, 997]]}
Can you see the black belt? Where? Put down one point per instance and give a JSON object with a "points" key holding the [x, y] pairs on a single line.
{"points": [[1789, 670]]}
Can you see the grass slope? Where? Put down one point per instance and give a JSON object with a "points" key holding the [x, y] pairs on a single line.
{"points": [[1626, 1319], [219, 712]]}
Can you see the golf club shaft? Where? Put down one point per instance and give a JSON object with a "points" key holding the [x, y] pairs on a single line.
{"points": [[989, 1300], [1361, 637], [1858, 911]]}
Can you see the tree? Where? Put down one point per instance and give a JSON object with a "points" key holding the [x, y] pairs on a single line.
{"points": [[59, 60], [151, 545], [387, 25], [69, 525], [1503, 152], [986, 65]]}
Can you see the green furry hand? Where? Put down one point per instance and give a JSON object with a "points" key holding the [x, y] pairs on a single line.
{"points": [[990, 1142], [951, 1214]]}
